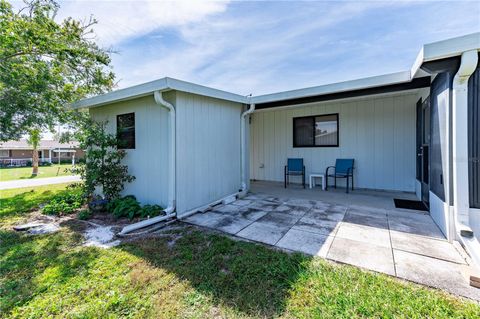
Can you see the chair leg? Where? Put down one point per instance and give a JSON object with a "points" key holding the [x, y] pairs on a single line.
{"points": [[335, 185], [347, 184], [352, 182], [285, 180], [303, 180]]}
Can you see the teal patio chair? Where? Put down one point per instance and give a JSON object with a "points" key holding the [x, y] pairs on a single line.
{"points": [[294, 167], [343, 169]]}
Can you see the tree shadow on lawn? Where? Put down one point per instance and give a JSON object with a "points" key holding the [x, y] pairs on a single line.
{"points": [[24, 259], [249, 278]]}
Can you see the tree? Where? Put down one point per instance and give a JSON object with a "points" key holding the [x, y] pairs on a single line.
{"points": [[45, 66], [34, 140]]}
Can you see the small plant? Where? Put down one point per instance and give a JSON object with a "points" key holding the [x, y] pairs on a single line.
{"points": [[127, 206], [84, 214], [64, 203], [151, 211]]}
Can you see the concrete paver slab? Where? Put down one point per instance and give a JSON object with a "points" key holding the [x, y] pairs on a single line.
{"points": [[435, 248], [372, 220], [306, 242], [412, 226], [365, 255], [365, 234], [263, 232], [433, 272], [279, 219]]}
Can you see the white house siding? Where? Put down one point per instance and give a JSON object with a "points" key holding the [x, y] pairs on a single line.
{"points": [[148, 162], [378, 132], [208, 150]]}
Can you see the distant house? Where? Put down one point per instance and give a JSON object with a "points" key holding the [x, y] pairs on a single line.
{"points": [[19, 153]]}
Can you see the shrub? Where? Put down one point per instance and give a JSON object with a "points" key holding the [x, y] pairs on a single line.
{"points": [[64, 203], [102, 165], [84, 214], [127, 206], [151, 211]]}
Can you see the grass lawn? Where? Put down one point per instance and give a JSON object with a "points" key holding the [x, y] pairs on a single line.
{"points": [[8, 174], [188, 273]]}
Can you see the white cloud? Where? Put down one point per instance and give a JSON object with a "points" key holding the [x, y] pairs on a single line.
{"points": [[120, 20]]}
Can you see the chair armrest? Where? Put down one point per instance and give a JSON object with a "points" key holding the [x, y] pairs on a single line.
{"points": [[350, 171], [326, 171]]}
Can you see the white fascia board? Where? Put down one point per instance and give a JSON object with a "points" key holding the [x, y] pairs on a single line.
{"points": [[364, 83], [163, 84], [445, 49], [451, 47], [189, 87]]}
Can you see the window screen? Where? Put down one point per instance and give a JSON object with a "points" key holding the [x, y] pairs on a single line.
{"points": [[126, 131], [315, 131]]}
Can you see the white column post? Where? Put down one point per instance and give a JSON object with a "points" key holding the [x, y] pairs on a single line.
{"points": [[461, 201], [50, 156]]}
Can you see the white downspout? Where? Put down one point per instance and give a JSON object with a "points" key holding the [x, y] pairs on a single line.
{"points": [[170, 210], [461, 203], [243, 153]]}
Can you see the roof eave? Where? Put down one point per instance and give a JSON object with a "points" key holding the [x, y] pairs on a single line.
{"points": [[164, 84]]}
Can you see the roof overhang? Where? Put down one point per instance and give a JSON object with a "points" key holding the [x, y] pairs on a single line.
{"points": [[164, 84], [417, 77], [359, 84]]}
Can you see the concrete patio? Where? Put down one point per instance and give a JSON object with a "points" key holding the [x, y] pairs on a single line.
{"points": [[363, 229]]}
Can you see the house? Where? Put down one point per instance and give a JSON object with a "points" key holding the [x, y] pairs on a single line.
{"points": [[19, 153], [413, 131]]}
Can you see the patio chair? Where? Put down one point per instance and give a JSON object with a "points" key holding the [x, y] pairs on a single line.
{"points": [[343, 169], [294, 167]]}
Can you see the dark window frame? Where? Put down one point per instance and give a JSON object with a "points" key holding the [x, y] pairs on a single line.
{"points": [[295, 145], [128, 147]]}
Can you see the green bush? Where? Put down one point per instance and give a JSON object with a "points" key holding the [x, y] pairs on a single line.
{"points": [[151, 211], [84, 214], [64, 203], [128, 206]]}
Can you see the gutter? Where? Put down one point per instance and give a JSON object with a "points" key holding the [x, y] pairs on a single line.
{"points": [[170, 210], [461, 202], [243, 159]]}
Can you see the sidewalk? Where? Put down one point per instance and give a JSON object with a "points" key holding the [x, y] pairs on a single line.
{"points": [[19, 183]]}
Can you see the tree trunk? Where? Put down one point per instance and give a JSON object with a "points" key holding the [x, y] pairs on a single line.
{"points": [[34, 161]]}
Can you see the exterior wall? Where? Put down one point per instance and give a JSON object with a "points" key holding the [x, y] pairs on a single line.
{"points": [[148, 162], [208, 150], [378, 132], [20, 154]]}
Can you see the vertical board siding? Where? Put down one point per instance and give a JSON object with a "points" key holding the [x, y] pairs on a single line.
{"points": [[148, 162], [208, 150], [379, 133], [474, 139]]}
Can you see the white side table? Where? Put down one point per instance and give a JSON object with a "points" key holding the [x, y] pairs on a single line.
{"points": [[313, 176]]}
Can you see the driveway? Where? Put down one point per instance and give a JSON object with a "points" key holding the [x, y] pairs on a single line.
{"points": [[19, 183], [400, 243]]}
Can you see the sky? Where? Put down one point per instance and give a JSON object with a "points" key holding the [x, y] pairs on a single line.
{"points": [[249, 47]]}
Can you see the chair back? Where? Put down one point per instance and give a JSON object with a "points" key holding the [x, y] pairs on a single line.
{"points": [[342, 165], [295, 164]]}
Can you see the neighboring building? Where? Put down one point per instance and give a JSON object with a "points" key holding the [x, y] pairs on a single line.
{"points": [[413, 131], [19, 153]]}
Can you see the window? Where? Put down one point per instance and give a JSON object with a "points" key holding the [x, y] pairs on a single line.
{"points": [[315, 131], [126, 131], [4, 153]]}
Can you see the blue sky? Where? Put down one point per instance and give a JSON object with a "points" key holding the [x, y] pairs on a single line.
{"points": [[261, 47]]}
